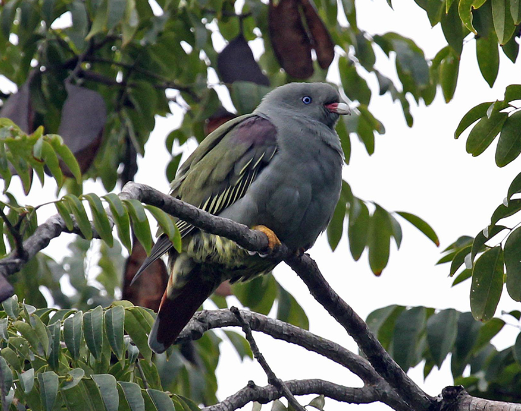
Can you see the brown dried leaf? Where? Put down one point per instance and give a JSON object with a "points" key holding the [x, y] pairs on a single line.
{"points": [[290, 42], [218, 118], [236, 63], [18, 109], [320, 37], [148, 289], [82, 120]]}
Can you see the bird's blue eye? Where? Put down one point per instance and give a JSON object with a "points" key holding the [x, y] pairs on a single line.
{"points": [[307, 100]]}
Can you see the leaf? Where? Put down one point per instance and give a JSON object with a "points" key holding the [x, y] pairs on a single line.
{"points": [[481, 239], [133, 395], [114, 325], [72, 334], [487, 332], [27, 380], [459, 259], [161, 400], [449, 71], [240, 344], [257, 294], [502, 18], [515, 11], [246, 96], [140, 223], [335, 229], [354, 85], [318, 402], [138, 333], [484, 132], [488, 57], [65, 213], [421, 225], [121, 219], [407, 330], [487, 284], [80, 214], [72, 379], [11, 307], [101, 220], [441, 334], [116, 11], [48, 388], [465, 13], [381, 322], [513, 264], [379, 239], [289, 39], [503, 211], [249, 70], [109, 393], [452, 28], [166, 222], [473, 115], [290, 311], [99, 23], [515, 187], [468, 331], [93, 331], [509, 144]]}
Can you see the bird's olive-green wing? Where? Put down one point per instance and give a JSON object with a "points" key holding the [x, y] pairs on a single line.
{"points": [[222, 175], [220, 170]]}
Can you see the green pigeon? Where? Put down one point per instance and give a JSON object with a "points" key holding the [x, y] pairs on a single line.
{"points": [[278, 169]]}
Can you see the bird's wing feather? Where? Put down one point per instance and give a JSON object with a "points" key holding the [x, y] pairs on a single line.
{"points": [[220, 171]]}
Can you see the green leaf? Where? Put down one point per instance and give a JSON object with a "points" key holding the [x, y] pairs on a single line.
{"points": [[138, 333], [166, 222], [513, 264], [99, 23], [465, 14], [65, 213], [449, 71], [108, 389], [66, 155], [121, 219], [503, 211], [51, 160], [441, 334], [487, 332], [133, 395], [29, 334], [246, 96], [48, 388], [11, 307], [80, 214], [72, 334], [381, 322], [484, 132], [487, 52], [290, 311], [27, 380], [354, 85], [452, 28], [114, 324], [240, 344], [509, 144], [515, 11], [407, 331], [502, 18], [335, 229], [473, 115], [101, 220], [459, 259], [257, 294], [468, 331], [116, 12], [93, 331], [161, 400], [421, 225], [140, 224], [379, 239], [515, 187], [358, 228], [481, 239], [72, 379], [487, 284]]}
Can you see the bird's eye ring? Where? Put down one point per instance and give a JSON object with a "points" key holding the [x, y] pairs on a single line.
{"points": [[307, 100]]}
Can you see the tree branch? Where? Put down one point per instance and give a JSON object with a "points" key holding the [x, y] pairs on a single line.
{"points": [[269, 393], [205, 320], [272, 378]]}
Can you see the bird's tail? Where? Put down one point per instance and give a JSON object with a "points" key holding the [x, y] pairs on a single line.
{"points": [[177, 308]]}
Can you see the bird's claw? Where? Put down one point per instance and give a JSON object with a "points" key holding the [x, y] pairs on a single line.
{"points": [[273, 240]]}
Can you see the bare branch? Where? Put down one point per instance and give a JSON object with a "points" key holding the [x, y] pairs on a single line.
{"points": [[269, 393], [457, 399], [211, 319], [272, 378]]}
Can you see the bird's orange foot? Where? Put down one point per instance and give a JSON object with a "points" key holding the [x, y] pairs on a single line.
{"points": [[273, 240]]}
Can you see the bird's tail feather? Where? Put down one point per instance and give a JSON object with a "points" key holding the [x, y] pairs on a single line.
{"points": [[174, 313]]}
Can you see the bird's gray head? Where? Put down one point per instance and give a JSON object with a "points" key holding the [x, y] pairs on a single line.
{"points": [[320, 101]]}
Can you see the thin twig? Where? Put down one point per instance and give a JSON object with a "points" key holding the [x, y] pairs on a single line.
{"points": [[272, 378]]}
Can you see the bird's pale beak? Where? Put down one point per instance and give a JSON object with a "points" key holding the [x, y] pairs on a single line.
{"points": [[339, 108]]}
